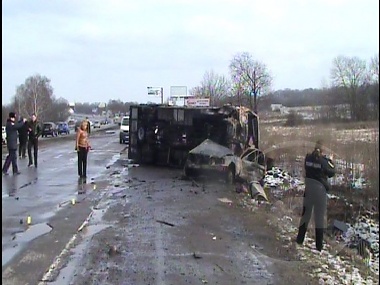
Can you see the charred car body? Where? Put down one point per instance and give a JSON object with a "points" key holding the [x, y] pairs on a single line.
{"points": [[210, 157], [164, 135]]}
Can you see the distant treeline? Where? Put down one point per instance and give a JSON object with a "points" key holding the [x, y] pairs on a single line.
{"points": [[316, 97]]}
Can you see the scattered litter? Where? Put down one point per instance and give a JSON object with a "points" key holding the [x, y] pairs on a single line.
{"points": [[165, 223], [225, 200], [194, 183], [214, 238], [29, 220], [365, 233], [217, 265], [113, 250], [278, 178]]}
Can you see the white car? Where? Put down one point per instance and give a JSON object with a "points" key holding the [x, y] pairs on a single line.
{"points": [[96, 124], [4, 139]]}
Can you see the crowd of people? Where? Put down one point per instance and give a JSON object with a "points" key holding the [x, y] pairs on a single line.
{"points": [[23, 135]]}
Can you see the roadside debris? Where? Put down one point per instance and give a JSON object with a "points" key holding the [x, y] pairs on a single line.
{"points": [[113, 250], [221, 268], [278, 178], [225, 200], [165, 223], [257, 191], [365, 232], [196, 256]]}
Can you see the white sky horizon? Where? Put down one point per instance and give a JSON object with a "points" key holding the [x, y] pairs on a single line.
{"points": [[95, 50]]}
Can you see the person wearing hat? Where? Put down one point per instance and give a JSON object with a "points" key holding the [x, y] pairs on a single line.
{"points": [[11, 128], [22, 139], [318, 169]]}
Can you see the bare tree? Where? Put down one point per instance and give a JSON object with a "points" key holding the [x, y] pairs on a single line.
{"points": [[250, 75], [59, 110], [374, 96], [374, 68], [351, 73], [35, 96], [215, 87], [197, 91]]}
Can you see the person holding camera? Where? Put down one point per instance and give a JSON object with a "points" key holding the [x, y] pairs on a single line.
{"points": [[318, 169]]}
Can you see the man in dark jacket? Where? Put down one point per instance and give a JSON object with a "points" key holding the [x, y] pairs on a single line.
{"points": [[11, 128], [22, 138], [318, 169], [34, 133]]}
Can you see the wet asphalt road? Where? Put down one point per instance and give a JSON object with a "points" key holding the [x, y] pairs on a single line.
{"points": [[130, 224], [45, 195]]}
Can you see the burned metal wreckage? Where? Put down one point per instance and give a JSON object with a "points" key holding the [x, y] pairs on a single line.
{"points": [[164, 135]]}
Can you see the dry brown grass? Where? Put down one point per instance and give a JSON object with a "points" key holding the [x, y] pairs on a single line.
{"points": [[351, 144]]}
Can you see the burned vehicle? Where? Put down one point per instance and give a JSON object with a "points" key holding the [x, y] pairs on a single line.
{"points": [[210, 157], [164, 135]]}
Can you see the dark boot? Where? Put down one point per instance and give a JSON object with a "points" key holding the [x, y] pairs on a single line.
{"points": [[301, 233], [319, 239]]}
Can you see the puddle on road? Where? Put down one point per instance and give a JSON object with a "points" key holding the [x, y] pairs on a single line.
{"points": [[21, 239]]}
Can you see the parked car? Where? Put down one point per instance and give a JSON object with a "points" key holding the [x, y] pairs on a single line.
{"points": [[63, 128], [49, 129], [96, 124], [124, 130], [4, 138]]}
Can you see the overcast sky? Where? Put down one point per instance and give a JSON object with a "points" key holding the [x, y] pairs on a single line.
{"points": [[96, 50]]}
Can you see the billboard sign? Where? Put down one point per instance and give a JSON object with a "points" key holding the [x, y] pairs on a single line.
{"points": [[197, 102], [154, 91], [178, 91]]}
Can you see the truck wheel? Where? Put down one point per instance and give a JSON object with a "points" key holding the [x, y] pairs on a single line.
{"points": [[231, 174]]}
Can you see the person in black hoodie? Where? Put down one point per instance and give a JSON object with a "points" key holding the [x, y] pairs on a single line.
{"points": [[318, 169], [11, 128], [34, 133], [22, 138]]}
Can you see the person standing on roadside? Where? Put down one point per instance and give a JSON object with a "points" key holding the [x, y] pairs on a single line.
{"points": [[82, 146], [34, 133], [318, 169], [22, 138], [11, 129]]}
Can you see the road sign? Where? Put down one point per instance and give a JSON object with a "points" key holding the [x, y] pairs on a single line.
{"points": [[154, 91], [178, 91], [197, 102]]}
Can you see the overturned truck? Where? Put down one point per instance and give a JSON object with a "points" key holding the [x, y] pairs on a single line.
{"points": [[164, 135]]}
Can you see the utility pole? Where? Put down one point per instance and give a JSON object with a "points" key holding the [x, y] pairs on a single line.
{"points": [[162, 95]]}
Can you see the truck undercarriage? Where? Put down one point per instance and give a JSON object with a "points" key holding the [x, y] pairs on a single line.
{"points": [[164, 135]]}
